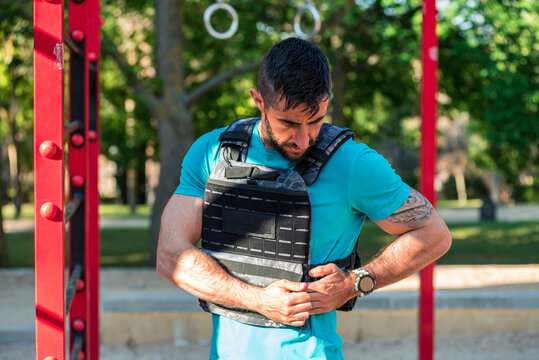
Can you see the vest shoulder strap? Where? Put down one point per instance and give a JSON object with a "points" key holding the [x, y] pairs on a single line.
{"points": [[329, 140], [235, 139]]}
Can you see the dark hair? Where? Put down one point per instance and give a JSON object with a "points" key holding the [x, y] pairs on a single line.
{"points": [[298, 72]]}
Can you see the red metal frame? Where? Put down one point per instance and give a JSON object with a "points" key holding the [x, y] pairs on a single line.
{"points": [[429, 54], [83, 145], [78, 165], [92, 193], [49, 175]]}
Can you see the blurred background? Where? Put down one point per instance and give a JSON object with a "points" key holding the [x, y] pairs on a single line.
{"points": [[165, 81]]}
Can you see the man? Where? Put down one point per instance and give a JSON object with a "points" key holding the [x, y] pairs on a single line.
{"points": [[353, 182]]}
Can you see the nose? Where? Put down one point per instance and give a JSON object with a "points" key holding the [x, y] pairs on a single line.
{"points": [[302, 138]]}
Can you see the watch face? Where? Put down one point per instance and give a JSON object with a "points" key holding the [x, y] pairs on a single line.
{"points": [[366, 284]]}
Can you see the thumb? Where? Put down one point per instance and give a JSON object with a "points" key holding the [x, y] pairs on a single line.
{"points": [[323, 270], [294, 286]]}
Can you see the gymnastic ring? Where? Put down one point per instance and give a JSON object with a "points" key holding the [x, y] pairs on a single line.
{"points": [[297, 20], [209, 12]]}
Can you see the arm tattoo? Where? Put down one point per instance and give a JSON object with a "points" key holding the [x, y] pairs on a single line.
{"points": [[415, 211]]}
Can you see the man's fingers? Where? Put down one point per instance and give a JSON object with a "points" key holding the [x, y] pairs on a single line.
{"points": [[293, 286], [302, 308], [323, 270], [299, 319], [299, 298]]}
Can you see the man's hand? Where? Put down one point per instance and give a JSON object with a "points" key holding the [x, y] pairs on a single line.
{"points": [[329, 293], [285, 302]]}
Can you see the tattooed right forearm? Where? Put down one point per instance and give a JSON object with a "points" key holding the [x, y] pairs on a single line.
{"points": [[415, 211]]}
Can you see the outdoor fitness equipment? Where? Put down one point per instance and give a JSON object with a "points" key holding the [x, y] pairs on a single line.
{"points": [[307, 7], [297, 20], [207, 20], [76, 306]]}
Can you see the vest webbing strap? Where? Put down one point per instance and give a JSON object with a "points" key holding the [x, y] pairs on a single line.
{"points": [[236, 138], [329, 140], [348, 263]]}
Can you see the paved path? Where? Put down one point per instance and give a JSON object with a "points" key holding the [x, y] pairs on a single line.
{"points": [[136, 285], [142, 290], [509, 213]]}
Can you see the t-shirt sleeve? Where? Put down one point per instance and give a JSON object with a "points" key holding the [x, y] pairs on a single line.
{"points": [[375, 189], [198, 164]]}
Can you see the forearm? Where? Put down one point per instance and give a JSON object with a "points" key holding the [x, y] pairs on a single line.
{"points": [[409, 253], [179, 261], [197, 273]]}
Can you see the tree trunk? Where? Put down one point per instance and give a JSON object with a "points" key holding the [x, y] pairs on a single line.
{"points": [[174, 146], [175, 128], [461, 188], [132, 186], [3, 240], [14, 149]]}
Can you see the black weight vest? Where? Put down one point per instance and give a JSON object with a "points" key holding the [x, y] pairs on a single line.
{"points": [[257, 220]]}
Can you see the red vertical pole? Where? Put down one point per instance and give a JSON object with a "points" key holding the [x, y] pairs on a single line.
{"points": [[429, 54], [79, 316], [92, 194], [49, 179]]}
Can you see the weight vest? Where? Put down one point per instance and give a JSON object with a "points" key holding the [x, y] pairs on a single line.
{"points": [[257, 220]]}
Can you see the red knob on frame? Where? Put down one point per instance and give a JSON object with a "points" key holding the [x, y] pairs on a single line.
{"points": [[92, 56], [82, 356], [48, 211], [78, 324], [77, 139], [77, 35], [92, 135], [77, 180], [80, 285], [48, 149]]}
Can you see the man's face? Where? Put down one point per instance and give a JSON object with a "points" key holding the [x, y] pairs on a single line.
{"points": [[290, 132]]}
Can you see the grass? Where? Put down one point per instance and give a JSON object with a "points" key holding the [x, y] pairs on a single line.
{"points": [[119, 247], [455, 204], [473, 243]]}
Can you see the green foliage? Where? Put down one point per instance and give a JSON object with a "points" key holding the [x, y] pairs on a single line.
{"points": [[126, 127], [489, 67]]}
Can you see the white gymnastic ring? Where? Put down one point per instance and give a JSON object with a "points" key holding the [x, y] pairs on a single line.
{"points": [[297, 21], [233, 27]]}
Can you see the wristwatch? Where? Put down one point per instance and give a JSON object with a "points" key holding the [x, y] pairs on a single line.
{"points": [[365, 282]]}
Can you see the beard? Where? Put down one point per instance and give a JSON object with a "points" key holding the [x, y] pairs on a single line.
{"points": [[270, 139]]}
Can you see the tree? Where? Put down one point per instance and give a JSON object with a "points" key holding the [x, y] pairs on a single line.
{"points": [[488, 63], [16, 96], [185, 74]]}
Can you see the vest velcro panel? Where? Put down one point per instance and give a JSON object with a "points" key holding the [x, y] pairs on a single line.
{"points": [[268, 223]]}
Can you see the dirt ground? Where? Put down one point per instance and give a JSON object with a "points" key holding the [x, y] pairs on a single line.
{"points": [[502, 346]]}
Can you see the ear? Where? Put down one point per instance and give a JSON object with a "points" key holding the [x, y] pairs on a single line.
{"points": [[257, 98]]}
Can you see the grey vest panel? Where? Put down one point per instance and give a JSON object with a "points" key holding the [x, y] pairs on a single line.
{"points": [[257, 220]]}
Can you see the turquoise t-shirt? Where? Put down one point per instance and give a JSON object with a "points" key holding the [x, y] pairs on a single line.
{"points": [[356, 182]]}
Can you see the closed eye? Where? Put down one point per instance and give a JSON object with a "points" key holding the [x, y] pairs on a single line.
{"points": [[289, 123]]}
